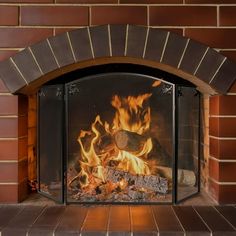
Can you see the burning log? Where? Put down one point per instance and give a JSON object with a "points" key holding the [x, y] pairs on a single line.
{"points": [[106, 143], [135, 195], [150, 182], [129, 141], [185, 177]]}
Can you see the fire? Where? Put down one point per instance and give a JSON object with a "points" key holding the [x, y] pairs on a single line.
{"points": [[130, 114], [131, 122]]}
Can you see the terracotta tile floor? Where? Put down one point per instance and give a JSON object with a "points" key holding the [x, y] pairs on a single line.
{"points": [[39, 216], [24, 219]]}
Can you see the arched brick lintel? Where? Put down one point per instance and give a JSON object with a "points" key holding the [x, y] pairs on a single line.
{"points": [[52, 57]]}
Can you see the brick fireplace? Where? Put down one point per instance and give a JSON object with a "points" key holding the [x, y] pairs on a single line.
{"points": [[159, 43]]}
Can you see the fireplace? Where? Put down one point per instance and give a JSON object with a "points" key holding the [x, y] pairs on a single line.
{"points": [[43, 62], [119, 137]]}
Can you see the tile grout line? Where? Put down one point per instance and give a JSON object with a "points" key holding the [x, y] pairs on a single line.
{"points": [[53, 53], [178, 220], [221, 64], [11, 49], [6, 94], [9, 116], [148, 15], [224, 218], [222, 160], [9, 161], [200, 62], [222, 116], [58, 222], [109, 38], [182, 57], [115, 4], [203, 220], [220, 182], [9, 139], [84, 221], [71, 47], [19, 19], [164, 48], [14, 64], [41, 26], [90, 41], [218, 16], [15, 216], [222, 138], [126, 39], [90, 16], [155, 221], [40, 69], [30, 226], [145, 44]]}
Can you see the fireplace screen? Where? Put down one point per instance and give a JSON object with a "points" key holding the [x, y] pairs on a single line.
{"points": [[120, 138]]}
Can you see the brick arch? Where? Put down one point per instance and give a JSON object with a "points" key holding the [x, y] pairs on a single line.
{"points": [[184, 57]]}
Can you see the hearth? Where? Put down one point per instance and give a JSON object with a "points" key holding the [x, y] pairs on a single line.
{"points": [[119, 137]]}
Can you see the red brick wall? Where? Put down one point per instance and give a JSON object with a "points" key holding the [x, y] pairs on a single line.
{"points": [[212, 22], [28, 21], [222, 151]]}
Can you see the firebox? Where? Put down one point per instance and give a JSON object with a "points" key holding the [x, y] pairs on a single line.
{"points": [[119, 137]]}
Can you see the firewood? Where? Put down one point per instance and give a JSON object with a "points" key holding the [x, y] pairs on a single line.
{"points": [[185, 177], [129, 141], [150, 182], [106, 143]]}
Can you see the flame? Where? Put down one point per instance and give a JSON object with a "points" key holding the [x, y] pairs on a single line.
{"points": [[156, 83], [132, 114], [132, 163]]}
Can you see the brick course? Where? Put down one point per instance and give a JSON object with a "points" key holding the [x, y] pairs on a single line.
{"points": [[227, 16], [27, 1], [54, 16], [118, 15], [151, 1], [9, 15], [22, 37], [183, 16], [88, 1]]}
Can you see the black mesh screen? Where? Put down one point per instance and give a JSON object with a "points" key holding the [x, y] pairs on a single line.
{"points": [[51, 141], [120, 139], [188, 141]]}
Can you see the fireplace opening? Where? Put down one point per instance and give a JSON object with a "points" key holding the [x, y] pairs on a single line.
{"points": [[119, 137]]}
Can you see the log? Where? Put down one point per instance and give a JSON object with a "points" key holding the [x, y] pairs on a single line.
{"points": [[129, 141], [159, 153], [150, 182], [185, 177], [106, 143]]}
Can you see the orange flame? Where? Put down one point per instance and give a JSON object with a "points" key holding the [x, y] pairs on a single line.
{"points": [[132, 114]]}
